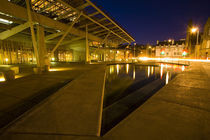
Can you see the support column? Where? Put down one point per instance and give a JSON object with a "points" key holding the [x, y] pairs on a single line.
{"points": [[32, 33], [105, 51], [87, 46], [42, 51]]}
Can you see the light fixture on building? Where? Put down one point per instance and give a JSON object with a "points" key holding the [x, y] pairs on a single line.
{"points": [[4, 21]]}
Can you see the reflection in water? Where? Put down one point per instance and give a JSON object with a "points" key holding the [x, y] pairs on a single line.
{"points": [[148, 71], [183, 68], [127, 68], [111, 69], [167, 77], [152, 70], [118, 68], [161, 71], [134, 73], [127, 90]]}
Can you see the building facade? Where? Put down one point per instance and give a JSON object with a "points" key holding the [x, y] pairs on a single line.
{"points": [[205, 44], [170, 48]]}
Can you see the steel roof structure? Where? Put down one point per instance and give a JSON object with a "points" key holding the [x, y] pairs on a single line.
{"points": [[57, 15]]}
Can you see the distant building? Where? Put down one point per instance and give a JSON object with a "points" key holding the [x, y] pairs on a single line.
{"points": [[170, 48], [144, 50]]}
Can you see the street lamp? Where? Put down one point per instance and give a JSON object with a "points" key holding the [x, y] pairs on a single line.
{"points": [[134, 50], [194, 30]]}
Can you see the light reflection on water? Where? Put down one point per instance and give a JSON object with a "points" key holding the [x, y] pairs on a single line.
{"points": [[128, 86], [134, 73], [137, 72]]}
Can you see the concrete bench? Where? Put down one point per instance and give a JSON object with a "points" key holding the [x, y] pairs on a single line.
{"points": [[8, 72]]}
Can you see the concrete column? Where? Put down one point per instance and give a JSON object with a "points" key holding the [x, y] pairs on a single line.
{"points": [[42, 51], [87, 46], [104, 55]]}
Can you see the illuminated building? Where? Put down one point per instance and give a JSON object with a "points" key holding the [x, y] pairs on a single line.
{"points": [[61, 30], [205, 44], [170, 48]]}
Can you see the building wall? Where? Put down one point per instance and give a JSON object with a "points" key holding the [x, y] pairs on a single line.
{"points": [[78, 49], [13, 52], [205, 45], [170, 51]]}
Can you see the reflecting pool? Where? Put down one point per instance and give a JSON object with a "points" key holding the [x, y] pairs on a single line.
{"points": [[128, 86]]}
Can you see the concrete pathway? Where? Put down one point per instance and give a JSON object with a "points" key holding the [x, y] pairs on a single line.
{"points": [[19, 95], [74, 110]]}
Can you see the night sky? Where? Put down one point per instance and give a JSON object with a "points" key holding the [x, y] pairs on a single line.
{"points": [[151, 20]]}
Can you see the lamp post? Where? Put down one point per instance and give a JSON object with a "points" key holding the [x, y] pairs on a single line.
{"points": [[134, 50], [193, 30]]}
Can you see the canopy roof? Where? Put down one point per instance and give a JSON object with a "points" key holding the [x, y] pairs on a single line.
{"points": [[66, 11]]}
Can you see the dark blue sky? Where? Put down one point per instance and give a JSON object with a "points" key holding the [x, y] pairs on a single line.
{"points": [[151, 20]]}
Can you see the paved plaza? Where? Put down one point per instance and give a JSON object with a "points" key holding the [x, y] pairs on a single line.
{"points": [[180, 110]]}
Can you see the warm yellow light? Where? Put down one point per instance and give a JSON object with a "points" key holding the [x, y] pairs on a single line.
{"points": [[127, 68], [118, 68], [134, 73], [111, 69], [193, 30], [172, 59], [183, 68], [2, 79], [148, 71], [161, 71], [53, 59], [152, 70], [59, 69], [6, 59], [167, 78]]}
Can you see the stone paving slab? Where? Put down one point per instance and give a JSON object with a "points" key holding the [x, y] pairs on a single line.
{"points": [[75, 109], [158, 119]]}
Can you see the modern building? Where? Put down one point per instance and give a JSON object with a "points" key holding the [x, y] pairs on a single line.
{"points": [[170, 48], [39, 31]]}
